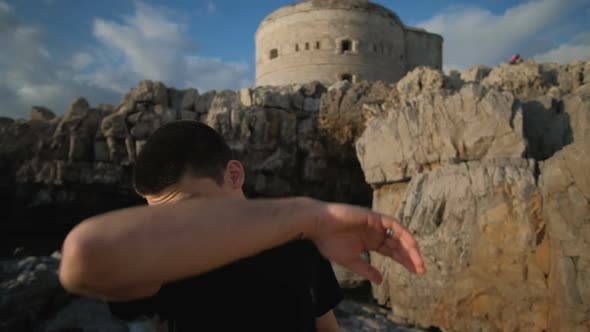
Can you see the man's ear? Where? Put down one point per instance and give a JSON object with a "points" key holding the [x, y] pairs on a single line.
{"points": [[235, 175]]}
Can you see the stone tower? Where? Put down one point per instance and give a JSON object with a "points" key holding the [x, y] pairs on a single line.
{"points": [[333, 40]]}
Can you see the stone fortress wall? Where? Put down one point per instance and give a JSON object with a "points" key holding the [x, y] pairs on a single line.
{"points": [[329, 41]]}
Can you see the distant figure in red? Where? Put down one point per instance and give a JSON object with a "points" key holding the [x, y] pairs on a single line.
{"points": [[514, 59]]}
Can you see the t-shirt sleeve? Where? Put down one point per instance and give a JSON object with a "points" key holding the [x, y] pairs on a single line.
{"points": [[327, 288]]}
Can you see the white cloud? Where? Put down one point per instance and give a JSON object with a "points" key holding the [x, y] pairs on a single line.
{"points": [[211, 8], [153, 45], [215, 74], [4, 7], [82, 60], [577, 49], [477, 36], [29, 74], [150, 44]]}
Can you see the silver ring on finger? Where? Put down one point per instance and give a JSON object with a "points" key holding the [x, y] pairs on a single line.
{"points": [[389, 233]]}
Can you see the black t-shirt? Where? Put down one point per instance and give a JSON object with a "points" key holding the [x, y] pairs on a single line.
{"points": [[282, 289]]}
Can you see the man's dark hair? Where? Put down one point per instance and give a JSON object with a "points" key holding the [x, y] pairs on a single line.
{"points": [[178, 148]]}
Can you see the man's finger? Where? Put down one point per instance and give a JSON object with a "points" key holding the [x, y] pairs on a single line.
{"points": [[408, 257], [404, 245], [365, 269], [409, 245], [399, 257], [412, 250]]}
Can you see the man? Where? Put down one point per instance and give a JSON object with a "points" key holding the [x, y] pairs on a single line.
{"points": [[202, 243]]}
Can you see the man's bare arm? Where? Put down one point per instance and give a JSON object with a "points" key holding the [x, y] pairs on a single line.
{"points": [[327, 322], [136, 250], [130, 253]]}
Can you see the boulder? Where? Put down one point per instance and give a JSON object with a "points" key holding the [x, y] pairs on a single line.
{"points": [[85, 315], [439, 127], [73, 139], [482, 235], [529, 80], [565, 186], [421, 79], [4, 121], [115, 126], [387, 199], [283, 97], [190, 98], [341, 116], [355, 316], [41, 114], [565, 78], [246, 97], [526, 80], [29, 288], [475, 73], [203, 103], [577, 107], [148, 92], [546, 127], [23, 140]]}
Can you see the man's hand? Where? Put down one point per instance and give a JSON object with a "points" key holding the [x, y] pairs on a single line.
{"points": [[342, 232]]}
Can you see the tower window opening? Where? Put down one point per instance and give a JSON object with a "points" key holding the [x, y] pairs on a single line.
{"points": [[346, 77], [318, 45], [307, 46], [346, 46], [274, 53], [296, 47]]}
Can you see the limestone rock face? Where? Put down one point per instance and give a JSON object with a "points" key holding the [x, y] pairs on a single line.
{"points": [[546, 127], [481, 232], [489, 168], [22, 140], [577, 107], [439, 127], [420, 80], [525, 79], [341, 109], [504, 238], [529, 80], [74, 136], [41, 113], [565, 78], [387, 199], [281, 142], [148, 92], [475, 73], [565, 185], [277, 136]]}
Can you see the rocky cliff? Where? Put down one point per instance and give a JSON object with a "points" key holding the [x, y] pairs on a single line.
{"points": [[58, 170], [488, 168]]}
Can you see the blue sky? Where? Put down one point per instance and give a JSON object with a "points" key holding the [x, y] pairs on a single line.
{"points": [[55, 50]]}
